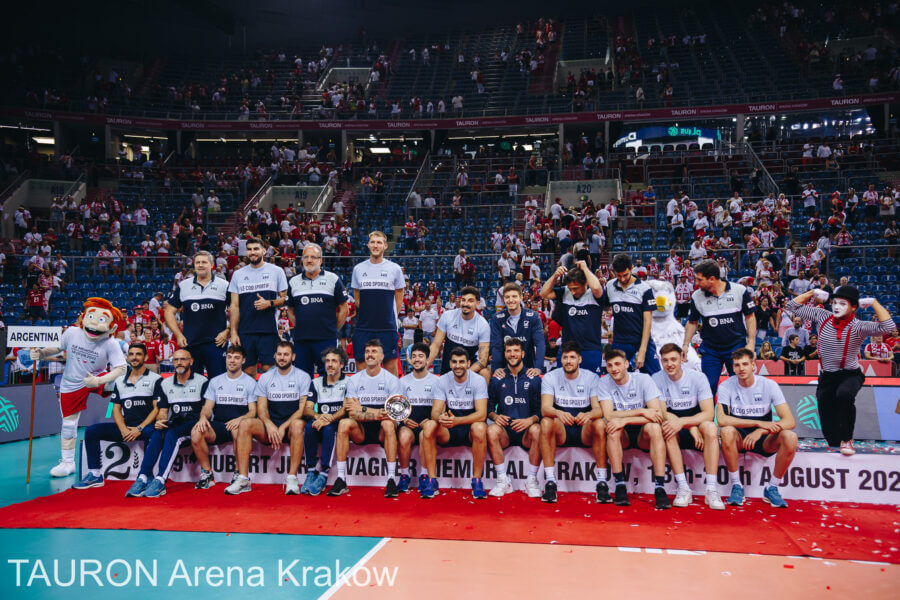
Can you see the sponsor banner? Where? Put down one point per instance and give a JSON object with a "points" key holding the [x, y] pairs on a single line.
{"points": [[20, 336], [15, 411], [870, 368], [727, 110], [812, 476]]}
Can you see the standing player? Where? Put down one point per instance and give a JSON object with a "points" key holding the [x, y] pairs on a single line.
{"points": [[688, 425], [256, 291], [281, 395], [578, 312], [572, 416], [744, 412], [515, 409], [634, 415], [841, 335], [463, 328], [421, 387], [202, 300], [179, 408], [378, 294], [457, 418], [728, 315], [368, 423], [322, 418], [317, 306], [230, 400], [134, 396], [632, 304], [521, 323]]}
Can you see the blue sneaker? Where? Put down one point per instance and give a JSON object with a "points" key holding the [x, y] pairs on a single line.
{"points": [[423, 481], [307, 483], [156, 489], [736, 497], [427, 490], [435, 486], [88, 481], [137, 488], [318, 485], [478, 489], [772, 496], [403, 484]]}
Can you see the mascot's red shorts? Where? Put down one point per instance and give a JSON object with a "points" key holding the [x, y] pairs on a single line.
{"points": [[73, 402]]}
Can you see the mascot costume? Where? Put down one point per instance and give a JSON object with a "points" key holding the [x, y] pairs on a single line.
{"points": [[665, 328], [90, 346]]}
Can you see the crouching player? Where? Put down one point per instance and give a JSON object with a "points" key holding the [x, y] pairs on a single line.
{"points": [[458, 416], [634, 416], [421, 387], [515, 401], [744, 413], [230, 400], [322, 415], [134, 396], [688, 423]]}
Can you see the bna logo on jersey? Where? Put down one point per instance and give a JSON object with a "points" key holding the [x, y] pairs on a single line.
{"points": [[713, 322], [176, 408], [127, 404], [195, 307], [508, 400], [573, 311], [324, 408], [616, 308], [304, 300]]}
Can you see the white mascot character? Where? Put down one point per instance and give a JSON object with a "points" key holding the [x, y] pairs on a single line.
{"points": [[89, 346], [665, 328]]}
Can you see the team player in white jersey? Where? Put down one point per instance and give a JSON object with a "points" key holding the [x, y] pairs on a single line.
{"points": [[464, 328], [634, 416], [323, 413], [368, 422], [688, 424], [257, 290], [572, 416], [421, 387], [230, 400], [281, 395], [458, 418], [378, 295], [744, 413]]}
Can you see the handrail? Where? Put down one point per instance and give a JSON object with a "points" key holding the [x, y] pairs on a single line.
{"points": [[13, 185], [324, 196], [426, 160], [254, 199], [74, 185]]}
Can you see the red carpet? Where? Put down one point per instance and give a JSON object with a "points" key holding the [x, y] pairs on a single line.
{"points": [[819, 529]]}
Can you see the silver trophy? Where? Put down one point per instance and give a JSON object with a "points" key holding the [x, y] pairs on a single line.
{"points": [[398, 407]]}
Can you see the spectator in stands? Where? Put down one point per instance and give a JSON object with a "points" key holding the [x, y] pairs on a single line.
{"points": [[34, 303], [793, 356], [766, 352], [892, 238], [811, 351], [801, 332], [877, 350]]}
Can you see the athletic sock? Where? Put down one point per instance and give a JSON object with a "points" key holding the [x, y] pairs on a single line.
{"points": [[681, 480], [95, 472], [735, 477], [160, 479], [142, 477], [659, 482], [710, 482], [602, 474], [535, 469], [392, 470], [620, 478], [550, 473], [501, 471], [404, 471], [342, 469]]}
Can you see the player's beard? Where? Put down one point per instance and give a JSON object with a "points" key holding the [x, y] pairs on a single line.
{"points": [[570, 368], [256, 261]]}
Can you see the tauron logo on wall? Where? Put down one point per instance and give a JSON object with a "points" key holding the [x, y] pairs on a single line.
{"points": [[808, 413], [9, 416]]}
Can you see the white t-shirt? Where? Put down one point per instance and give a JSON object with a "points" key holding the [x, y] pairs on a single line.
{"points": [[84, 357]]}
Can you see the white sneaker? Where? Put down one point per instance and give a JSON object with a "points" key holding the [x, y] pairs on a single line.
{"points": [[847, 448], [240, 485], [503, 486], [532, 487], [713, 500], [683, 497], [63, 469], [291, 486]]}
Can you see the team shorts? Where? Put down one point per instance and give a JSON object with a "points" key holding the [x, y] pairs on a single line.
{"points": [[223, 436], [371, 431], [459, 436], [758, 447], [515, 437], [389, 341], [260, 348], [634, 432], [573, 437]]}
